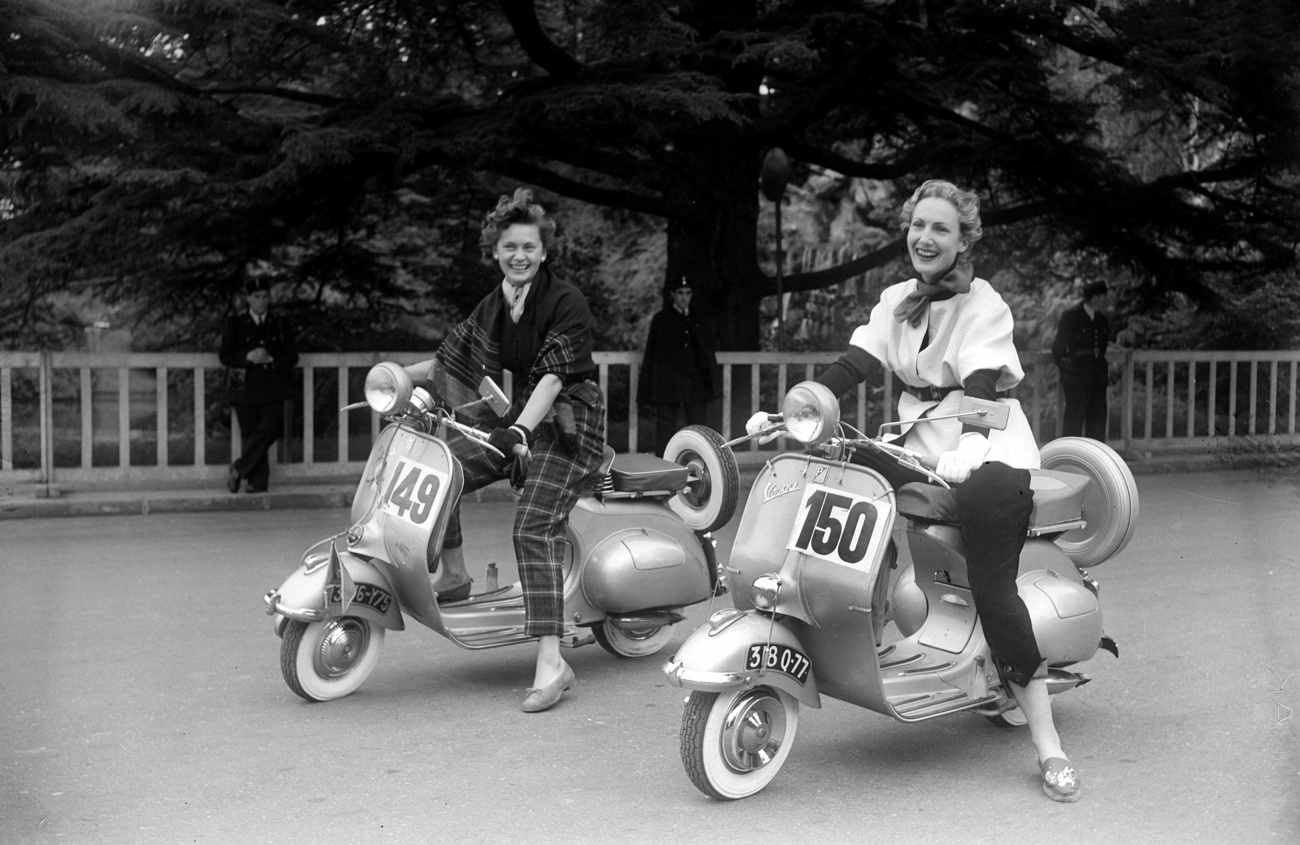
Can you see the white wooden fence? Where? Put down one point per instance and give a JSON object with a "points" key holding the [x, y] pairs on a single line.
{"points": [[78, 419]]}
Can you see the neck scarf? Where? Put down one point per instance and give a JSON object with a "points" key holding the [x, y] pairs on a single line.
{"points": [[515, 297], [914, 306]]}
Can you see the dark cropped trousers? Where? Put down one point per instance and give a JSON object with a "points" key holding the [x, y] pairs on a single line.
{"points": [[993, 508]]}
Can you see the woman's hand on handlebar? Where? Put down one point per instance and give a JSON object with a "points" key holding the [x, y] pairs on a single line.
{"points": [[956, 465], [763, 421]]}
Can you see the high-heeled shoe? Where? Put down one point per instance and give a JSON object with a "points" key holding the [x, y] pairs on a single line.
{"points": [[542, 698]]}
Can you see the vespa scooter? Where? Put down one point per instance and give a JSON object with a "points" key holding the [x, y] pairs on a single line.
{"points": [[640, 549], [828, 555]]}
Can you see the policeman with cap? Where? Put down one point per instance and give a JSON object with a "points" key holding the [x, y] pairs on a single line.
{"points": [[1080, 353], [259, 353], [679, 369]]}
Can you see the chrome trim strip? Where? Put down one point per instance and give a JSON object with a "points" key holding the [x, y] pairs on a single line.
{"points": [[273, 606], [679, 676]]}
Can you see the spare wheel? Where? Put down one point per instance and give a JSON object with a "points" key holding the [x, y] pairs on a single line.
{"points": [[1110, 505], [709, 502]]}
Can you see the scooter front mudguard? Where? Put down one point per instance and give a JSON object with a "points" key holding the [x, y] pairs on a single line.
{"points": [[739, 649], [308, 595]]}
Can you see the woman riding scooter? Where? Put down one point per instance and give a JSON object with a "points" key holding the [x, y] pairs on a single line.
{"points": [[539, 328], [947, 334]]}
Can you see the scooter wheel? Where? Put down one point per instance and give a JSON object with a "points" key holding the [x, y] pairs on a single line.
{"points": [[1013, 718], [322, 661], [734, 743], [710, 501], [1110, 505], [640, 643]]}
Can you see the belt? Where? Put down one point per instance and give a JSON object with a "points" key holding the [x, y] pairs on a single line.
{"points": [[929, 392]]}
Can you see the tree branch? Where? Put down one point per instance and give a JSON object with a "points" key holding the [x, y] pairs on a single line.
{"points": [[538, 175], [522, 15]]}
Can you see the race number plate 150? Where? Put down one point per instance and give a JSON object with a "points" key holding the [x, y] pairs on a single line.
{"points": [[836, 525], [412, 492]]}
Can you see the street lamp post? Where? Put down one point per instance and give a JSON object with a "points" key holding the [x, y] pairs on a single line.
{"points": [[772, 179]]}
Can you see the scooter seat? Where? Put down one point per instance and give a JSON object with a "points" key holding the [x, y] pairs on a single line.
{"points": [[1058, 498], [647, 474]]}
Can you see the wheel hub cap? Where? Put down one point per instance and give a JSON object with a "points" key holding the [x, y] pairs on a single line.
{"points": [[754, 732], [341, 647]]}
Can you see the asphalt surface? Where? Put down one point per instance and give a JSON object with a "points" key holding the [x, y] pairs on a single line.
{"points": [[143, 703]]}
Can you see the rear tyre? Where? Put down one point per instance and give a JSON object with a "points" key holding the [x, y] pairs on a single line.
{"points": [[642, 642], [734, 743], [710, 501], [322, 661], [1013, 718]]}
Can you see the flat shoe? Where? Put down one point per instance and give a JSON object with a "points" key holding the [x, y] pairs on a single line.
{"points": [[544, 698], [232, 479], [1060, 783], [458, 593]]}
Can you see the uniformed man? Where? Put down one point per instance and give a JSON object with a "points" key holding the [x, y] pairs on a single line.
{"points": [[259, 351], [1080, 352], [679, 370]]}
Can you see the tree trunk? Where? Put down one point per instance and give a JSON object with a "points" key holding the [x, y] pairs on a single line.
{"points": [[712, 241]]}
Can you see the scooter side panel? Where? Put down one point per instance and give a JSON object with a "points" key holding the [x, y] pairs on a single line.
{"points": [[640, 557], [1066, 614], [739, 650]]}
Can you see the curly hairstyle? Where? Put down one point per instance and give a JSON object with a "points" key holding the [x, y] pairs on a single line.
{"points": [[967, 204], [517, 209]]}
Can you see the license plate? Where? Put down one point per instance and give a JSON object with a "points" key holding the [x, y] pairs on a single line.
{"points": [[376, 598], [778, 658]]}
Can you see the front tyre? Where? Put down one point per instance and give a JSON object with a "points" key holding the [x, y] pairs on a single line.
{"points": [[322, 661], [641, 642], [734, 743]]}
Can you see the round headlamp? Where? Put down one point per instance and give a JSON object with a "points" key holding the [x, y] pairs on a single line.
{"points": [[765, 590], [388, 388], [811, 412]]}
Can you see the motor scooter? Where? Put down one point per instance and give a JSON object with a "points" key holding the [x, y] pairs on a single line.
{"points": [[639, 548], [845, 587]]}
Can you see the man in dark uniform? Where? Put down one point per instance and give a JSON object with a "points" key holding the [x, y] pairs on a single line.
{"points": [[1080, 353], [679, 369], [259, 350]]}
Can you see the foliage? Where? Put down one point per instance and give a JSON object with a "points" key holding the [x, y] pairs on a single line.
{"points": [[157, 154]]}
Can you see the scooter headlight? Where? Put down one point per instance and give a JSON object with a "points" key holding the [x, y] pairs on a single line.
{"points": [[765, 590], [811, 412], [388, 388]]}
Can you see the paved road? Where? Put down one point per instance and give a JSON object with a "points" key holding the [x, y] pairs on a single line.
{"points": [[142, 702]]}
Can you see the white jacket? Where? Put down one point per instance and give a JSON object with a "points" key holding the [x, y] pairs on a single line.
{"points": [[968, 332]]}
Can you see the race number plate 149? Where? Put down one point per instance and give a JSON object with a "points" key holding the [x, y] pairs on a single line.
{"points": [[413, 491], [836, 525]]}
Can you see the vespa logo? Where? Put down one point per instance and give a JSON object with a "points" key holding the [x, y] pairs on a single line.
{"points": [[773, 490]]}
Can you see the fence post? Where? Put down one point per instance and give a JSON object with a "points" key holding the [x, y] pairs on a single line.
{"points": [[1126, 401], [47, 419]]}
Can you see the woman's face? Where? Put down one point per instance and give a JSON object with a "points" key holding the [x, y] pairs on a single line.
{"points": [[934, 238], [520, 253]]}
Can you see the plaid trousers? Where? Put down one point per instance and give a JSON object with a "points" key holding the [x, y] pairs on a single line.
{"points": [[555, 479]]}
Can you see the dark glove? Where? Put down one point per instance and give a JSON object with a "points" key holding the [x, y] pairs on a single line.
{"points": [[506, 439], [513, 443], [566, 427]]}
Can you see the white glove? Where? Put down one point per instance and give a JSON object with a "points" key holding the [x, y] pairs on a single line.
{"points": [[956, 465], [760, 422]]}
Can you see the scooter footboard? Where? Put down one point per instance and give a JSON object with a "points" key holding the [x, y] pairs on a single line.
{"points": [[308, 596], [738, 649]]}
